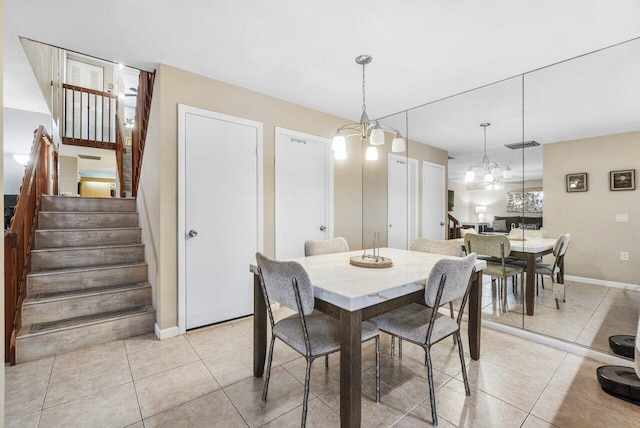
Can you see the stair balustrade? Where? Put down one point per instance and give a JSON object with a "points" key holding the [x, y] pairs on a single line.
{"points": [[89, 117], [40, 179], [454, 227]]}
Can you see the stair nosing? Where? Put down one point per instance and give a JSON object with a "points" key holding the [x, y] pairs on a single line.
{"points": [[86, 292], [88, 247], [110, 229], [76, 269], [86, 197], [88, 212], [19, 336]]}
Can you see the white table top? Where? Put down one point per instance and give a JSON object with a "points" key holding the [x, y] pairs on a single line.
{"points": [[349, 287], [529, 245]]}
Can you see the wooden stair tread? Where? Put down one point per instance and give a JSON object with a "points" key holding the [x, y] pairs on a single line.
{"points": [[92, 247], [85, 268], [83, 292], [56, 326]]}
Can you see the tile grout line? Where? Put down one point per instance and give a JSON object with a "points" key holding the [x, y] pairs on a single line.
{"points": [[47, 389], [135, 390]]}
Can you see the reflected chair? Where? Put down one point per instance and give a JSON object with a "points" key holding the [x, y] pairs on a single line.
{"points": [[496, 247], [447, 248], [310, 333], [325, 246], [449, 280], [555, 270]]}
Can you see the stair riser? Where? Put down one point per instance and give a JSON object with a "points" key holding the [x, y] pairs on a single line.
{"points": [[85, 257], [88, 238], [53, 203], [57, 282], [85, 305], [60, 220], [34, 347]]}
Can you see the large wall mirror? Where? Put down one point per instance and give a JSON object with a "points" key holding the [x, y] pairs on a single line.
{"points": [[566, 139]]}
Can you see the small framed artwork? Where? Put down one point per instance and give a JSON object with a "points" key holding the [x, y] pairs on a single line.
{"points": [[622, 180], [577, 182]]}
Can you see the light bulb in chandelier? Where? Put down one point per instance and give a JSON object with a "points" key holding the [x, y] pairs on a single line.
{"points": [[339, 143], [371, 153], [398, 144]]}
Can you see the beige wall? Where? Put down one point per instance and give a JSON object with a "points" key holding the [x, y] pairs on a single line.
{"points": [[157, 200], [596, 238], [68, 175]]}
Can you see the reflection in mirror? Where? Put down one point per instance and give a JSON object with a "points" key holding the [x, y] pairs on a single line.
{"points": [[585, 114], [453, 126]]}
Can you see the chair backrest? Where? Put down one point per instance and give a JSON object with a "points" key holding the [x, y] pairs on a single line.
{"points": [[325, 246], [527, 233], [487, 245], [277, 278], [561, 245], [457, 275], [465, 231], [447, 248]]}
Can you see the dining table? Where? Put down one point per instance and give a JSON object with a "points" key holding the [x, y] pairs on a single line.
{"points": [[529, 249], [353, 294]]}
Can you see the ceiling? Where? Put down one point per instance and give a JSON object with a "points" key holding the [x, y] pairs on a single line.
{"points": [[303, 51]]}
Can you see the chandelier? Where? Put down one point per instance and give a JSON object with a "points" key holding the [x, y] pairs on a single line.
{"points": [[370, 130], [487, 171]]}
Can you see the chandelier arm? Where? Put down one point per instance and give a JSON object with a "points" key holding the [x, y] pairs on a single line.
{"points": [[350, 127], [388, 128]]}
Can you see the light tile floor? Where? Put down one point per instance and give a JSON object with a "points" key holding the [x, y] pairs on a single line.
{"points": [[204, 378], [590, 315]]}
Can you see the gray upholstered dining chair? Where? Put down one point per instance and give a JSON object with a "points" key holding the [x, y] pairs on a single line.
{"points": [[325, 246], [449, 280], [555, 270], [496, 247], [447, 248], [310, 333]]}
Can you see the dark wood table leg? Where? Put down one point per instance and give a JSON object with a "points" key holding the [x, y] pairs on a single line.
{"points": [[350, 368], [259, 328], [475, 315], [531, 285]]}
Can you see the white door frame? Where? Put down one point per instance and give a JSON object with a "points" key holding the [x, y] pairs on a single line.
{"points": [[283, 132], [412, 195], [424, 197], [183, 110]]}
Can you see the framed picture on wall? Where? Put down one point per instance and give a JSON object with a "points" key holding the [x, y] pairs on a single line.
{"points": [[622, 180], [577, 182]]}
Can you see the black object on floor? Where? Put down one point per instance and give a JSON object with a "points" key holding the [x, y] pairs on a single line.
{"points": [[622, 344], [621, 382]]}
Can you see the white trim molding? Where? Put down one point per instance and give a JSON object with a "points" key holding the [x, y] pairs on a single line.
{"points": [[603, 282], [166, 333]]}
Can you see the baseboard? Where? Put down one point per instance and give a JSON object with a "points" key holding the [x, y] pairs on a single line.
{"points": [[622, 285], [559, 344], [166, 333]]}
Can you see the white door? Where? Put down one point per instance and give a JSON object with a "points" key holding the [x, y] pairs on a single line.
{"points": [[304, 191], [221, 213], [433, 201], [402, 201]]}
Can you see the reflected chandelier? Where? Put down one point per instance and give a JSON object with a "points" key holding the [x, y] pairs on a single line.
{"points": [[367, 129], [487, 171]]}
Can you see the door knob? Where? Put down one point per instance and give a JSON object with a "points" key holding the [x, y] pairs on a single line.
{"points": [[322, 228], [193, 233]]}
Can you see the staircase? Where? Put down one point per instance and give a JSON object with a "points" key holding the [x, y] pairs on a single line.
{"points": [[88, 279]]}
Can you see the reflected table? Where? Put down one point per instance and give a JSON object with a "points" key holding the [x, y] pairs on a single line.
{"points": [[530, 249], [353, 294]]}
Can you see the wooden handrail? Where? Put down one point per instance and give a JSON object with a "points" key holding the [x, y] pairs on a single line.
{"points": [[120, 151], [81, 123], [453, 227], [18, 240], [139, 136]]}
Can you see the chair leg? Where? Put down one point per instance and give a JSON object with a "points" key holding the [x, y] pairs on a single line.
{"points": [[432, 392], [464, 367], [393, 346], [305, 401], [377, 369], [542, 281], [504, 294], [452, 317], [400, 348], [537, 294], [268, 375], [326, 361]]}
